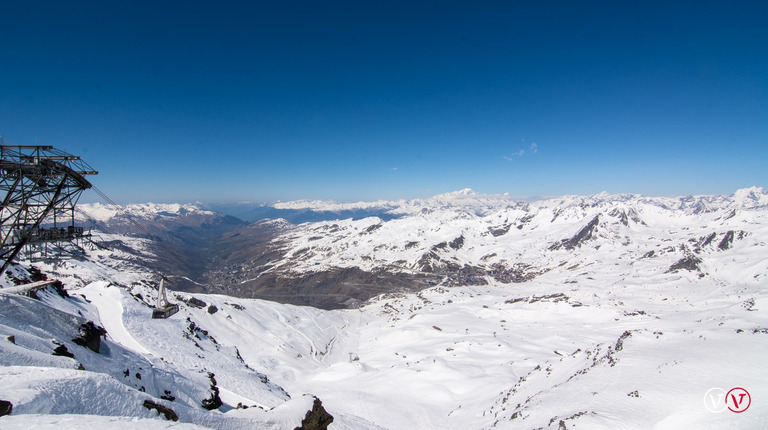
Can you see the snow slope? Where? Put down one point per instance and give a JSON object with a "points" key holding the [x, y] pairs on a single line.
{"points": [[623, 312]]}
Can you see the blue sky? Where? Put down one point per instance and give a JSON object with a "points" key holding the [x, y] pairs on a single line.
{"points": [[261, 101]]}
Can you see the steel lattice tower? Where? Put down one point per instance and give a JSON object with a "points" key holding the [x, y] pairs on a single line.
{"points": [[40, 184]]}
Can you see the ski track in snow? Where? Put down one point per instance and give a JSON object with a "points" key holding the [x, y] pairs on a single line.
{"points": [[108, 300]]}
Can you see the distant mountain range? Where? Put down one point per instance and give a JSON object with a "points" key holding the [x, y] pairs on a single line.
{"points": [[339, 255], [463, 311]]}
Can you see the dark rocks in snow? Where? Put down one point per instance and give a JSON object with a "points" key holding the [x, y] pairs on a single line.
{"points": [[427, 262], [90, 336], [62, 351], [626, 216], [6, 407], [167, 412], [59, 288], [708, 239], [621, 215], [198, 332], [501, 231], [36, 274], [212, 309], [12, 339], [167, 396], [582, 236], [620, 342], [195, 303], [689, 262], [457, 243], [317, 418], [237, 306], [727, 241], [410, 245], [214, 402], [556, 297], [440, 246]]}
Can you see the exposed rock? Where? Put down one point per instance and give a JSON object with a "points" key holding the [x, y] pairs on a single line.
{"points": [[195, 303], [708, 239], [689, 262], [62, 351], [317, 418], [582, 236], [620, 342], [237, 306], [6, 408], [621, 215], [727, 241], [90, 336], [501, 231], [212, 309], [457, 243], [214, 402], [555, 297], [410, 245], [440, 246], [371, 229], [167, 412], [167, 396]]}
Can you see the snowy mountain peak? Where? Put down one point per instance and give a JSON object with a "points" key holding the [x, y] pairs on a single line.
{"points": [[105, 213], [459, 193], [751, 197]]}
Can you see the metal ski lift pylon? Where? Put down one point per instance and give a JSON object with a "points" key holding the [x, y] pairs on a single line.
{"points": [[163, 308]]}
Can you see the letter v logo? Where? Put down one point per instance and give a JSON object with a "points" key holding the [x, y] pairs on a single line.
{"points": [[738, 400]]}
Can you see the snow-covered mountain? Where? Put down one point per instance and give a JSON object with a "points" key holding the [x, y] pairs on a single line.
{"points": [[481, 312], [466, 239]]}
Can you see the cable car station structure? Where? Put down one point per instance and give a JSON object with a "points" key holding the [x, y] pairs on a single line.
{"points": [[40, 186]]}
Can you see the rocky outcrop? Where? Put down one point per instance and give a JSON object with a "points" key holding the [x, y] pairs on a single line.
{"points": [[214, 402], [167, 412], [6, 407], [317, 418], [193, 302], [582, 236], [727, 241], [62, 351], [689, 262], [90, 336]]}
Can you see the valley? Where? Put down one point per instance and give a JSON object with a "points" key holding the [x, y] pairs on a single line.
{"points": [[464, 311]]}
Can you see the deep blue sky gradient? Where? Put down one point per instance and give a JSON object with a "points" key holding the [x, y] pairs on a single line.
{"points": [[213, 101]]}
